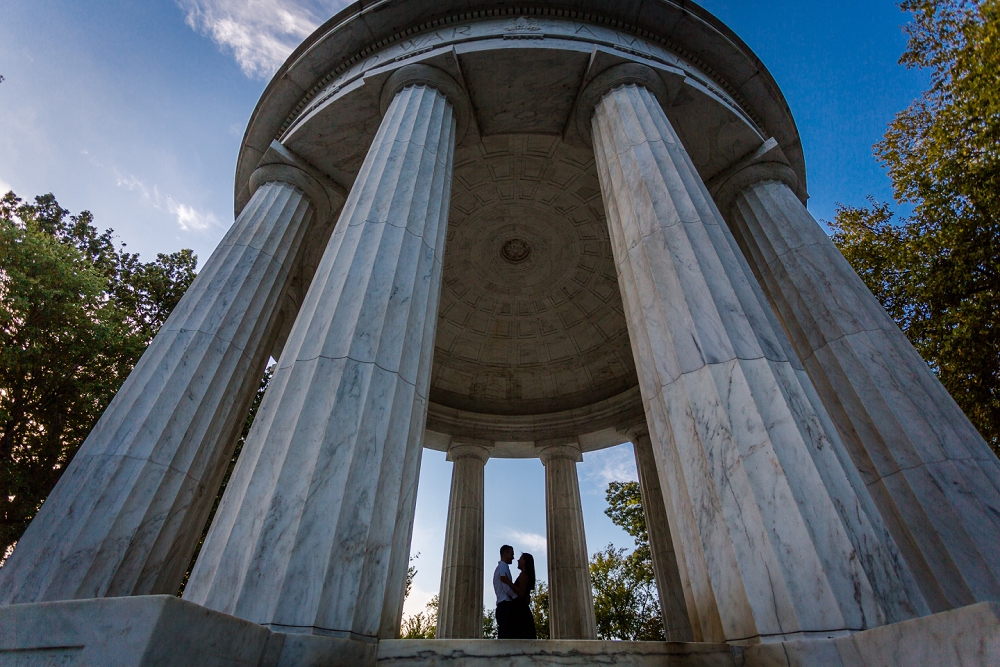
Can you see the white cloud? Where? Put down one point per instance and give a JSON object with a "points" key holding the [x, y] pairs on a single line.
{"points": [[616, 464], [259, 33], [523, 541], [5, 187], [188, 217]]}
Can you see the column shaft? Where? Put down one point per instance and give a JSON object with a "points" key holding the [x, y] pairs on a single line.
{"points": [[776, 542], [931, 474], [126, 515], [307, 537], [673, 594], [399, 559], [460, 602], [571, 600]]}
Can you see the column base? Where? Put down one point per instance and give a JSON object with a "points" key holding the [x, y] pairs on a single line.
{"points": [[967, 636], [162, 631]]}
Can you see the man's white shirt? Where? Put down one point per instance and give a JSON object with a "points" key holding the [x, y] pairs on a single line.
{"points": [[503, 591]]}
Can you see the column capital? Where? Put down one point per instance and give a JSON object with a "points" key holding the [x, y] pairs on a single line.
{"points": [[635, 430], [559, 448], [282, 165], [419, 74], [767, 163], [465, 448], [614, 77]]}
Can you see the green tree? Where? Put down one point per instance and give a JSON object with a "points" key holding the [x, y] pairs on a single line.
{"points": [[423, 624], [76, 314], [489, 623], [937, 270], [625, 510], [626, 601], [540, 609]]}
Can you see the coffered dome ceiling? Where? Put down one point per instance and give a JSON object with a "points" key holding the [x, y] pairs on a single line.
{"points": [[531, 318]]}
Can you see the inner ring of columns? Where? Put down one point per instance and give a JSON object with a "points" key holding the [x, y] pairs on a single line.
{"points": [[531, 339]]}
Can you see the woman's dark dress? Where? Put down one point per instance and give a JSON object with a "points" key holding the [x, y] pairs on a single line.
{"points": [[524, 621]]}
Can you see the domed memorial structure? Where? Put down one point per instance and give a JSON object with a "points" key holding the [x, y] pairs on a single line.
{"points": [[520, 230]]}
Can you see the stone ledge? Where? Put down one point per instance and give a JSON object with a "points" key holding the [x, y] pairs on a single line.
{"points": [[967, 636], [537, 652], [157, 631], [163, 631]]}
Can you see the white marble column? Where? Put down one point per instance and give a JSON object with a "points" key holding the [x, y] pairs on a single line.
{"points": [[676, 623], [126, 516], [399, 559], [460, 602], [308, 537], [776, 543], [571, 600], [933, 477]]}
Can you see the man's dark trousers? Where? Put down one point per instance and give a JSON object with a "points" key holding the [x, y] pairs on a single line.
{"points": [[505, 620]]}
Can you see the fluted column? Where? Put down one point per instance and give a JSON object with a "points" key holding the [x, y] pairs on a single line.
{"points": [[673, 605], [126, 515], [460, 602], [933, 477], [399, 559], [571, 600], [776, 542], [308, 537]]}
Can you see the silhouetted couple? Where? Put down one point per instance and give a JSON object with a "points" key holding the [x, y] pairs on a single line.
{"points": [[514, 617]]}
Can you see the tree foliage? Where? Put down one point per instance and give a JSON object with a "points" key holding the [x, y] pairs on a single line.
{"points": [[626, 601], [423, 624], [76, 313], [540, 609], [937, 270]]}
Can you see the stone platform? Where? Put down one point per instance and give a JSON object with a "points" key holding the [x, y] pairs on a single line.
{"points": [[164, 631], [543, 652]]}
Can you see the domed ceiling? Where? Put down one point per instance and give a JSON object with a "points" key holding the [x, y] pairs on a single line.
{"points": [[531, 318]]}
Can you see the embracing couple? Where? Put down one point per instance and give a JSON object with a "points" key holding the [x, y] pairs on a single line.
{"points": [[514, 618]]}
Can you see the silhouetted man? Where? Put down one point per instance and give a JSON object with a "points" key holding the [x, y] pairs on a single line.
{"points": [[505, 596]]}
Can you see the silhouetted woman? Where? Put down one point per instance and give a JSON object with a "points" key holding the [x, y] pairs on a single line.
{"points": [[525, 620]]}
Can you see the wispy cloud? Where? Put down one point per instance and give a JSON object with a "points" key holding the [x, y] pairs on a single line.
{"points": [[188, 217], [526, 541], [5, 187], [259, 33], [616, 464]]}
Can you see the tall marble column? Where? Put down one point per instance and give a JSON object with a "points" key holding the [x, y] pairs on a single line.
{"points": [[460, 602], [776, 542], [571, 600], [676, 623], [126, 515], [933, 477], [308, 537]]}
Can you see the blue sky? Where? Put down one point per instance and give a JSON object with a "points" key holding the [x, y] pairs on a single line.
{"points": [[134, 109]]}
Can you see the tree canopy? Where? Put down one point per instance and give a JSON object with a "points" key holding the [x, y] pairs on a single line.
{"points": [[626, 601], [76, 313], [937, 269]]}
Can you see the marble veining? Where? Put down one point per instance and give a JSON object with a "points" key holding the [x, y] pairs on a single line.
{"points": [[308, 537], [912, 445], [125, 517], [729, 416]]}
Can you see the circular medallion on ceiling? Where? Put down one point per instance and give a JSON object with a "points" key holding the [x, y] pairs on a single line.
{"points": [[515, 250], [531, 319]]}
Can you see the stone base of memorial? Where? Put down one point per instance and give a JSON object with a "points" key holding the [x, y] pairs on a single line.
{"points": [[163, 630]]}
